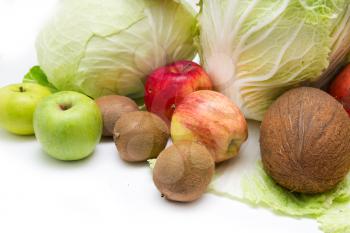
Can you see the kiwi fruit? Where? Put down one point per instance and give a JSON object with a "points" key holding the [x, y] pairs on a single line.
{"points": [[112, 107], [304, 141], [140, 136], [183, 171]]}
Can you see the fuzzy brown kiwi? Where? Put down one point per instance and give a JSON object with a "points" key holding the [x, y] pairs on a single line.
{"points": [[112, 107], [140, 136], [304, 141], [183, 171]]}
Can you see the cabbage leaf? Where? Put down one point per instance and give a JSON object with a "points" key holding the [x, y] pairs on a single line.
{"points": [[336, 220], [260, 189], [36, 75]]}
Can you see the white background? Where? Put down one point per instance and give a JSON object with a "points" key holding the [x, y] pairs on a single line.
{"points": [[102, 193]]}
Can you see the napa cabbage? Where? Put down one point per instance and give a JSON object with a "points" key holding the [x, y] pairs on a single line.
{"points": [[255, 50]]}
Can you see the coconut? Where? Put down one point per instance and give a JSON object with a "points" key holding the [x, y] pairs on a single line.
{"points": [[304, 141]]}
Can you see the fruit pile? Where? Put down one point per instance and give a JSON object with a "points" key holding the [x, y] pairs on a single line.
{"points": [[205, 128], [204, 125], [304, 134]]}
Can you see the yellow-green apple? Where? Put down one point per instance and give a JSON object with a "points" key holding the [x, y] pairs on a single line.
{"points": [[17, 106], [68, 125], [167, 86], [212, 119]]}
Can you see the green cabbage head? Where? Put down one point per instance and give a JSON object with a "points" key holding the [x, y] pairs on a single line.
{"points": [[102, 47], [254, 50]]}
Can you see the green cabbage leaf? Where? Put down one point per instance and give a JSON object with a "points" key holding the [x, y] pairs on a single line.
{"points": [[260, 189], [336, 220], [36, 75]]}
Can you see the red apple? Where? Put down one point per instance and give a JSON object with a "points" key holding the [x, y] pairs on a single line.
{"points": [[167, 86], [212, 119], [340, 88]]}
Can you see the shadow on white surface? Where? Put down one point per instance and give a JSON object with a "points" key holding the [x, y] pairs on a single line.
{"points": [[106, 140], [47, 160], [7, 137], [185, 206]]}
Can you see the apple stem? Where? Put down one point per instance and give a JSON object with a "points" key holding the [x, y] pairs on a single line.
{"points": [[21, 89], [186, 68], [65, 107]]}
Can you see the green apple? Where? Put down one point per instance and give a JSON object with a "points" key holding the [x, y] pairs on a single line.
{"points": [[17, 106], [68, 125]]}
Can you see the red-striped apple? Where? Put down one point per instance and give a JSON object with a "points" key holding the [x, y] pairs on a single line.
{"points": [[212, 119], [167, 86]]}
